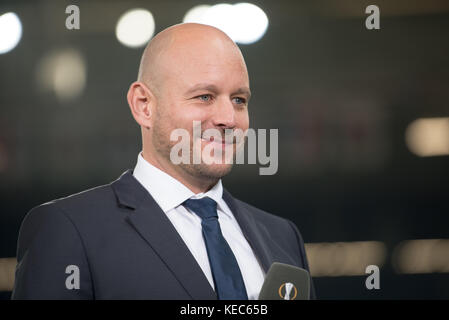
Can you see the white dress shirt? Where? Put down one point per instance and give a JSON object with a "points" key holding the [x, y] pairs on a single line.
{"points": [[169, 194]]}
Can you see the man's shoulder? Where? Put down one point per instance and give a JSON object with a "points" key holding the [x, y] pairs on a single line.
{"points": [[58, 218], [90, 197], [84, 203]]}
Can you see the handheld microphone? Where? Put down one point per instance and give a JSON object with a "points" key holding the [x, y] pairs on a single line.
{"points": [[285, 282]]}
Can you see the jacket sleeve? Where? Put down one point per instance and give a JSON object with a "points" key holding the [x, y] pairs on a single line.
{"points": [[303, 257], [52, 263]]}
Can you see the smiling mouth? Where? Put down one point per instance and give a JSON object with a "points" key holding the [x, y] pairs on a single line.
{"points": [[217, 141]]}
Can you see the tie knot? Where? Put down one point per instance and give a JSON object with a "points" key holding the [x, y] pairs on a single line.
{"points": [[205, 207]]}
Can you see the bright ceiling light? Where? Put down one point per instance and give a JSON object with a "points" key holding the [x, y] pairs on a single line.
{"points": [[428, 137], [252, 22], [63, 72], [244, 23], [135, 28], [221, 16], [196, 14], [10, 32]]}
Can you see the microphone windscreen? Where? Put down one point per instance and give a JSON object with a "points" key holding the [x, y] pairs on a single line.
{"points": [[285, 282]]}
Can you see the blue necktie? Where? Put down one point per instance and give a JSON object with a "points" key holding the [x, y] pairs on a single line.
{"points": [[228, 280]]}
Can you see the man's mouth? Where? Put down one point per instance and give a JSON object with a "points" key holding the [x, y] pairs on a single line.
{"points": [[218, 141]]}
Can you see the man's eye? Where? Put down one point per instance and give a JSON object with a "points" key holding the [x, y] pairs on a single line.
{"points": [[239, 100], [205, 97]]}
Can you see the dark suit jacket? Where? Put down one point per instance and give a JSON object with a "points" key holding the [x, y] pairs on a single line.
{"points": [[125, 247]]}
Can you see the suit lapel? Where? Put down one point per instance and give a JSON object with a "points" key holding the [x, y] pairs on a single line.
{"points": [[148, 219]]}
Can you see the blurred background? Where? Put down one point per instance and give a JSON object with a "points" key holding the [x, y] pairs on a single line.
{"points": [[363, 120]]}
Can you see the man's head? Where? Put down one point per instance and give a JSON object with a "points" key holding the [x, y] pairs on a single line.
{"points": [[189, 72]]}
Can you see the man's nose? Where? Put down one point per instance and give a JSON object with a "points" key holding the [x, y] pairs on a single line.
{"points": [[224, 114]]}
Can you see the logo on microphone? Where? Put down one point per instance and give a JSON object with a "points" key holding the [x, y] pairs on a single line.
{"points": [[288, 291]]}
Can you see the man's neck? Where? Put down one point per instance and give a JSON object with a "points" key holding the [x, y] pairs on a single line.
{"points": [[194, 184]]}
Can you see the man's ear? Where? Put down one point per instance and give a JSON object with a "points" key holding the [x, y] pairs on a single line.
{"points": [[141, 102]]}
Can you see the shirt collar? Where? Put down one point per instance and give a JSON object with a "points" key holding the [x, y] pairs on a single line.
{"points": [[168, 192]]}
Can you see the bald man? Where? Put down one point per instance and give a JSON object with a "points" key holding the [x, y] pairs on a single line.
{"points": [[166, 229]]}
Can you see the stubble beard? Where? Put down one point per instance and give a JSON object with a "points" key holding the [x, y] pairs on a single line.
{"points": [[201, 171]]}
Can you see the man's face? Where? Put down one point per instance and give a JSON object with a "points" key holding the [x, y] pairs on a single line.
{"points": [[209, 86]]}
